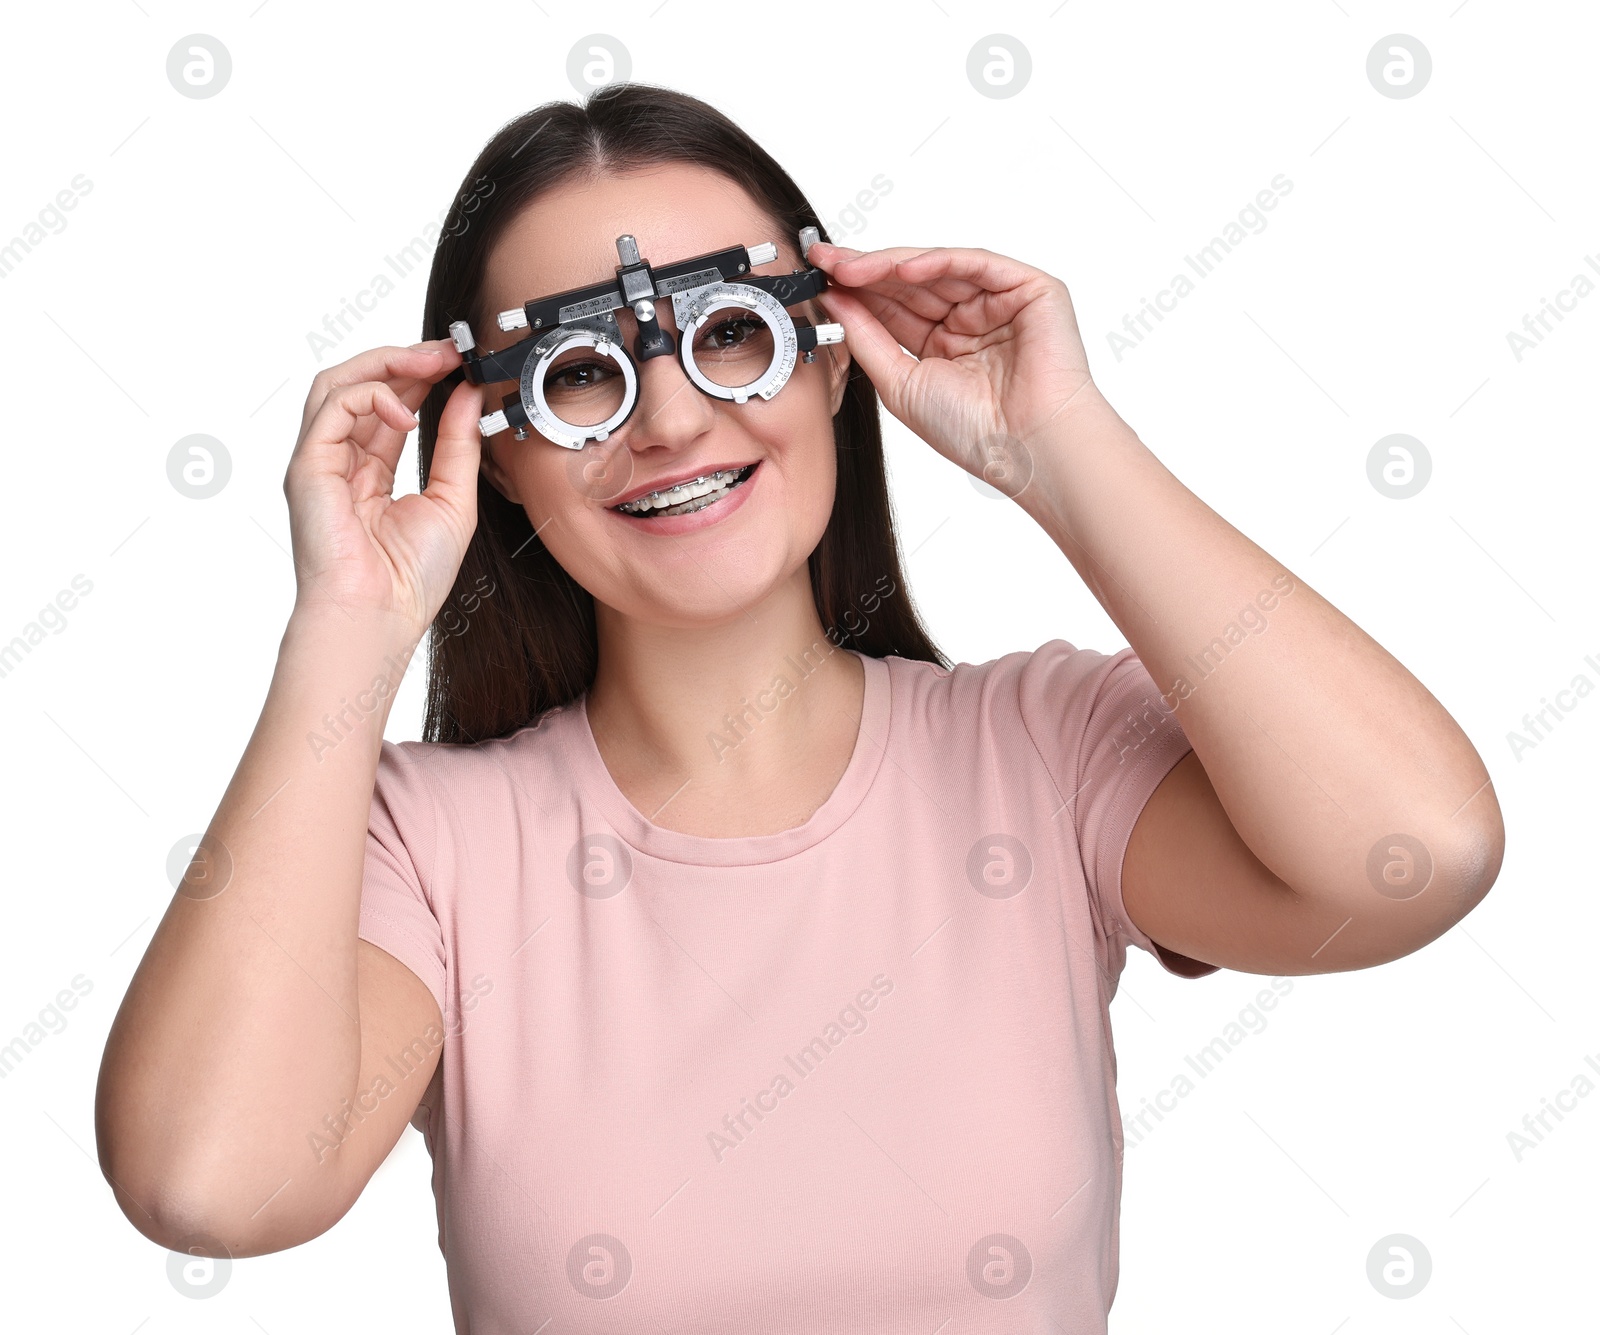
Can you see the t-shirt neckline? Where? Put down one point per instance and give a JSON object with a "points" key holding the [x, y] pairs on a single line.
{"points": [[634, 829]]}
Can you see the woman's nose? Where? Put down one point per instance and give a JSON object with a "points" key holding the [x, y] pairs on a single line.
{"points": [[670, 409]]}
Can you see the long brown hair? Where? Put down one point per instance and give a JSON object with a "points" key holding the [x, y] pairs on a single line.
{"points": [[516, 636]]}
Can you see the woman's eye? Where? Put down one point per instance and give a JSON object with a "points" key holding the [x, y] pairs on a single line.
{"points": [[731, 333], [577, 375]]}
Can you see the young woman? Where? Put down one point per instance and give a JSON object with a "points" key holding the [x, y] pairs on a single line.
{"points": [[746, 964]]}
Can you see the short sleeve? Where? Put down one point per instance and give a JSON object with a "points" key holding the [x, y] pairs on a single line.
{"points": [[396, 910], [1108, 740]]}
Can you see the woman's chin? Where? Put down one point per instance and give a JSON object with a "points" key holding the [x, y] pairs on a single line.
{"points": [[709, 594]]}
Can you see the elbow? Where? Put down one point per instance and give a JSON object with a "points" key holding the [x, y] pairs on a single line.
{"points": [[1446, 863], [171, 1204], [1471, 856], [1465, 866], [170, 1193], [152, 1197], [205, 1210], [1425, 884], [1477, 867], [170, 1214], [197, 1219]]}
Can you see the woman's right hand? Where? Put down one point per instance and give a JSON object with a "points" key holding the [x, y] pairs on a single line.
{"points": [[357, 549]]}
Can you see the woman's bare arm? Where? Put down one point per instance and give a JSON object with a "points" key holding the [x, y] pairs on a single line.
{"points": [[223, 1113], [256, 1012]]}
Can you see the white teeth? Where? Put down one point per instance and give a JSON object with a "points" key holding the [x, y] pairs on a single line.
{"points": [[684, 491]]}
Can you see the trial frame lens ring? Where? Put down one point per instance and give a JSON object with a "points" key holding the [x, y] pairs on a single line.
{"points": [[716, 297], [543, 418]]}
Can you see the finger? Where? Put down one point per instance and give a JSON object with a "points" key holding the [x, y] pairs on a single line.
{"points": [[453, 471], [428, 360], [825, 255], [975, 266], [909, 328], [932, 301], [964, 328], [908, 309], [924, 301], [828, 257], [378, 369], [340, 421], [376, 435], [952, 311], [413, 392], [925, 278], [870, 343], [861, 269]]}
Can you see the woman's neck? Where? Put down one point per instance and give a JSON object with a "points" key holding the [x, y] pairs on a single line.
{"points": [[732, 730]]}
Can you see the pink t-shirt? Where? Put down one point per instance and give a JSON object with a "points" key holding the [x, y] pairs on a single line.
{"points": [[856, 1076]]}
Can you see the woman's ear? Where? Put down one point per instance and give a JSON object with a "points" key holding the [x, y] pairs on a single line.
{"points": [[499, 479], [839, 369], [838, 363]]}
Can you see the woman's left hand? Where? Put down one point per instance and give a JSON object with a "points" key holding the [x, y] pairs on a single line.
{"points": [[996, 354]]}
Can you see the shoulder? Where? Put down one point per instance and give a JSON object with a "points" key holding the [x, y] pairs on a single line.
{"points": [[1013, 686], [1055, 705], [417, 772]]}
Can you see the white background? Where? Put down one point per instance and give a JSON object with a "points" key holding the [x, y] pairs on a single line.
{"points": [[218, 232]]}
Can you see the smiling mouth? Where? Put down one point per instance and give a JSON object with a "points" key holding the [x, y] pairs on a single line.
{"points": [[686, 497]]}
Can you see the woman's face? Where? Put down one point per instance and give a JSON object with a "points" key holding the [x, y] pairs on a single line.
{"points": [[713, 565]]}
